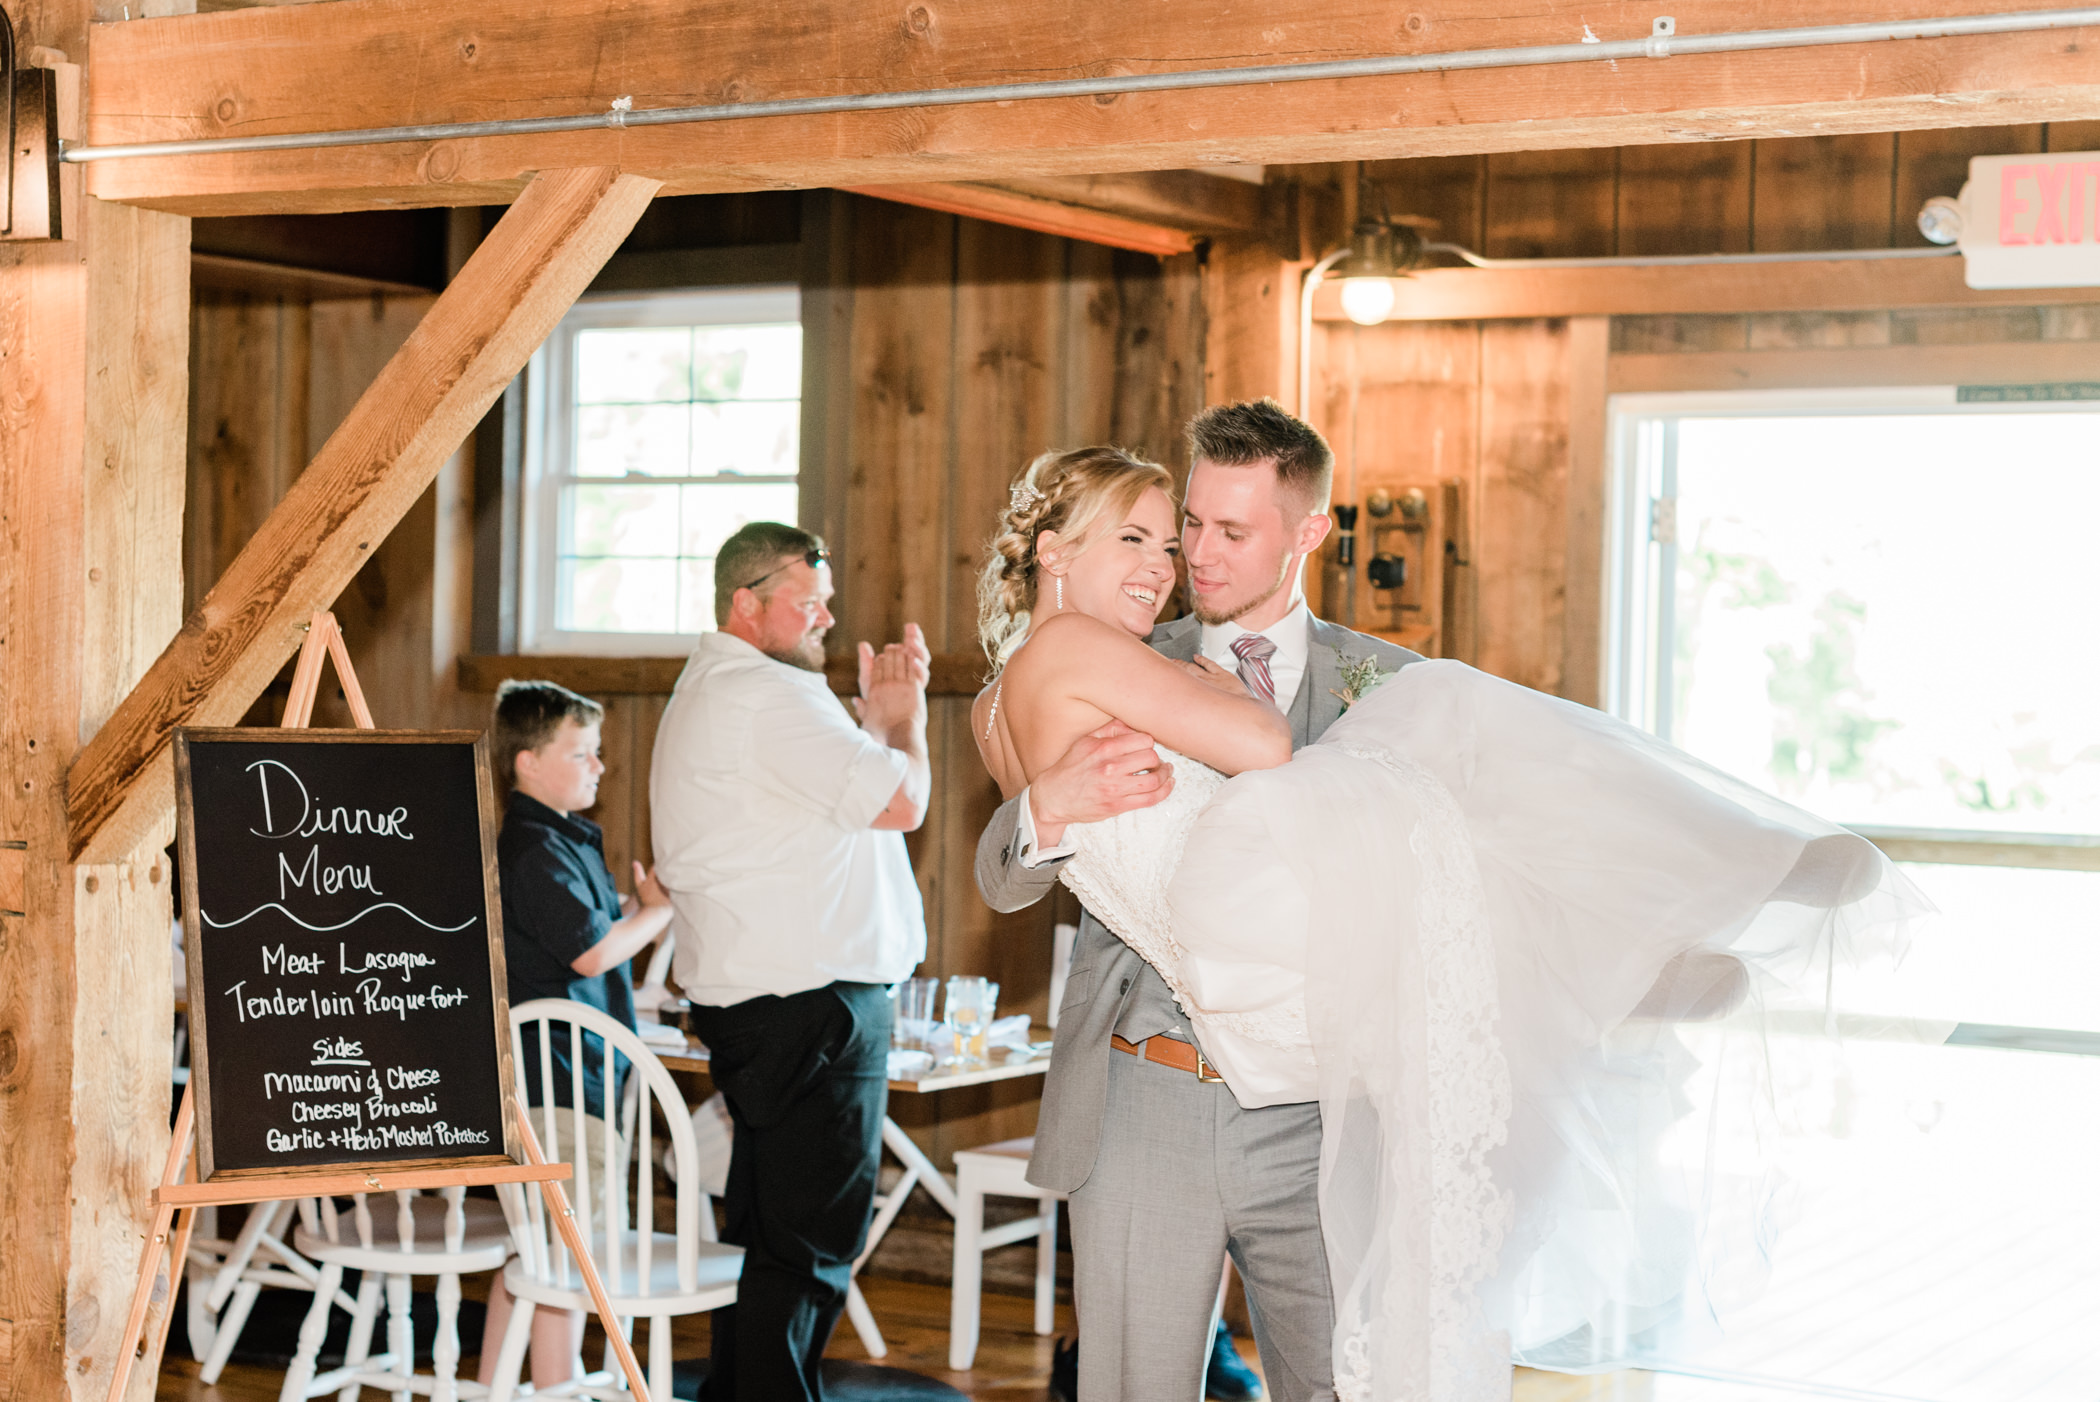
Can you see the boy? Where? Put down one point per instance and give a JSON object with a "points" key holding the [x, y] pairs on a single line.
{"points": [[566, 934]]}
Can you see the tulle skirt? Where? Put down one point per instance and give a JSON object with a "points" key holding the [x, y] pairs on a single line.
{"points": [[1509, 913]]}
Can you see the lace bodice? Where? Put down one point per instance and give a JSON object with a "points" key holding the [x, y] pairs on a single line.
{"points": [[1120, 870], [1120, 866]]}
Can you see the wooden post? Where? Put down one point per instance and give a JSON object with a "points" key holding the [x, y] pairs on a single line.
{"points": [[93, 388]]}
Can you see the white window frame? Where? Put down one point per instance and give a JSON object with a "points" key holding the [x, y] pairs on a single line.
{"points": [[1641, 549], [550, 437]]}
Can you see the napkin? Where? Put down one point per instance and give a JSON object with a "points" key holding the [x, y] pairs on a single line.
{"points": [[909, 1065], [1008, 1032]]}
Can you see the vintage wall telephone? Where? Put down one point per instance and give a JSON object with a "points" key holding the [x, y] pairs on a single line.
{"points": [[1395, 574]]}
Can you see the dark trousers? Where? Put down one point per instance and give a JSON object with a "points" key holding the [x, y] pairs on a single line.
{"points": [[806, 1078]]}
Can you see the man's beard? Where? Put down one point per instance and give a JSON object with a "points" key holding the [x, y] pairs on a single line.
{"points": [[1212, 617], [807, 654]]}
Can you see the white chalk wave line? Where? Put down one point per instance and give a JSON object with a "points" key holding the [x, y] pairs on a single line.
{"points": [[330, 929]]}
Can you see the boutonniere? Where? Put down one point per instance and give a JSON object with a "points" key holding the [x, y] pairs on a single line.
{"points": [[1360, 677]]}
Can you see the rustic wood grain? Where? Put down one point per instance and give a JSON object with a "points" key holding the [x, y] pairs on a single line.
{"points": [[135, 463], [1250, 299], [900, 402], [388, 612], [1824, 192], [93, 362], [518, 284], [1552, 204], [1691, 198], [1037, 214], [1837, 284], [1588, 489], [1520, 550], [2033, 362], [247, 424], [195, 76]]}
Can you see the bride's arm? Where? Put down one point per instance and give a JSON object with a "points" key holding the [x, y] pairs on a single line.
{"points": [[1105, 668]]}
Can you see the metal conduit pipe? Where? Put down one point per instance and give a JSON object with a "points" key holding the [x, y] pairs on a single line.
{"points": [[1664, 42]]}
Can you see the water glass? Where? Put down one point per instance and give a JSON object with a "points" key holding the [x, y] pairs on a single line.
{"points": [[913, 1026], [971, 1004]]}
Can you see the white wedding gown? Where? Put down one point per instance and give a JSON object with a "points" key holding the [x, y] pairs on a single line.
{"points": [[1470, 922]]}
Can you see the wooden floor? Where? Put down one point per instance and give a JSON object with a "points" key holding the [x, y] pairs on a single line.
{"points": [[1013, 1365]]}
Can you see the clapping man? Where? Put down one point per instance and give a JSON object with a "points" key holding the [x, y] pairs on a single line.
{"points": [[779, 827]]}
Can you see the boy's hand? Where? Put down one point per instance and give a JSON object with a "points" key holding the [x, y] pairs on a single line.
{"points": [[647, 889]]}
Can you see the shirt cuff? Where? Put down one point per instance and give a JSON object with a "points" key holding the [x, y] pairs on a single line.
{"points": [[1025, 849]]}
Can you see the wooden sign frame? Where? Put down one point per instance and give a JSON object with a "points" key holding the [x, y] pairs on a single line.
{"points": [[193, 942], [176, 1201]]}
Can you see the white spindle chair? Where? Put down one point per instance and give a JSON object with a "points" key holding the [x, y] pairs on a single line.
{"points": [[447, 1235], [647, 1274], [227, 1276]]}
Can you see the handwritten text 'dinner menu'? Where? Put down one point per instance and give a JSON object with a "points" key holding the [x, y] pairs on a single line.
{"points": [[344, 989]]}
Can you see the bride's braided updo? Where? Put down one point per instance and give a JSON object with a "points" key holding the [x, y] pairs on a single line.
{"points": [[1072, 493]]}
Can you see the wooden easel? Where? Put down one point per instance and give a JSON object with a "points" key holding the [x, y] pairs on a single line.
{"points": [[176, 1202]]}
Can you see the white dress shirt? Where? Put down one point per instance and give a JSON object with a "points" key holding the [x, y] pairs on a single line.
{"points": [[1292, 635], [761, 794]]}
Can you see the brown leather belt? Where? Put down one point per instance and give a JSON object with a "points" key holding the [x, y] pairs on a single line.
{"points": [[1168, 1051]]}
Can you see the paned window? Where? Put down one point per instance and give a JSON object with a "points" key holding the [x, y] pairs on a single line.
{"points": [[666, 422]]}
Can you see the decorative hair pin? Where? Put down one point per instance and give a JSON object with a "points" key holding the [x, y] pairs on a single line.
{"points": [[1025, 496]]}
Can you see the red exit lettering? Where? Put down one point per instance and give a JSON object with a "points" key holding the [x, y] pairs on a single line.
{"points": [[2053, 193]]}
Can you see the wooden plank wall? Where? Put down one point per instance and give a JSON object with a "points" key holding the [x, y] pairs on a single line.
{"points": [[272, 376], [1488, 403]]}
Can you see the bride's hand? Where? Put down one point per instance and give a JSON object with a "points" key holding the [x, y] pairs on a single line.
{"points": [[1205, 670]]}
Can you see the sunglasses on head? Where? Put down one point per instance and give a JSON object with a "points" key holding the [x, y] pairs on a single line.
{"points": [[814, 556]]}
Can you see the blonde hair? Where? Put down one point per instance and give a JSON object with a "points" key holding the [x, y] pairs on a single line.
{"points": [[1070, 493]]}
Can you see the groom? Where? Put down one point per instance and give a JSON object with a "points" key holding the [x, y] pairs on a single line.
{"points": [[1166, 1172]]}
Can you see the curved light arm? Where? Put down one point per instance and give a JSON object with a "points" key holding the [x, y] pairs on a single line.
{"points": [[1314, 276]]}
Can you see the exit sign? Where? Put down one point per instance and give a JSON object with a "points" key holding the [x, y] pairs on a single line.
{"points": [[2032, 221]]}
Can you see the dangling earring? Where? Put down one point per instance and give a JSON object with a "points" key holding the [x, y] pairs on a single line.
{"points": [[1060, 593]]}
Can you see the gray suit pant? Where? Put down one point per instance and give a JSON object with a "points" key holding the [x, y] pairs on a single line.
{"points": [[1184, 1175]]}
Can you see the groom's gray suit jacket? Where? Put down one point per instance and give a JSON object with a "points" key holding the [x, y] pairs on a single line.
{"points": [[1111, 989]]}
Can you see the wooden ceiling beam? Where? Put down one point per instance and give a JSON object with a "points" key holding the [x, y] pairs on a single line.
{"points": [[998, 206], [375, 63], [475, 338], [1823, 285]]}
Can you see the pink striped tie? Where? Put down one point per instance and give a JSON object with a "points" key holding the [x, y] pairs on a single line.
{"points": [[1254, 652]]}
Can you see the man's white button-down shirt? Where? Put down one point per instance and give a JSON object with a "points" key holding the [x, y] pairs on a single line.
{"points": [[761, 792]]}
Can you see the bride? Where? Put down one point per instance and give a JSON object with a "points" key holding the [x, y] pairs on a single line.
{"points": [[1475, 923]]}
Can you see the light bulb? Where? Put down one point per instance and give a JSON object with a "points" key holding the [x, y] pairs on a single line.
{"points": [[1367, 300]]}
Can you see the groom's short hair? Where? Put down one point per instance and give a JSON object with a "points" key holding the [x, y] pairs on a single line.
{"points": [[1261, 430]]}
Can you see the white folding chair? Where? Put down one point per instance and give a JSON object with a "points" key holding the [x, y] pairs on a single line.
{"points": [[647, 1274], [447, 1235], [997, 1170]]}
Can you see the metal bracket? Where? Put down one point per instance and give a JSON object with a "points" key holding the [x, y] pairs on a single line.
{"points": [[1659, 34]]}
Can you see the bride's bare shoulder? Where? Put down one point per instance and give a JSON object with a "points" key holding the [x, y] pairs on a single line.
{"points": [[1069, 638]]}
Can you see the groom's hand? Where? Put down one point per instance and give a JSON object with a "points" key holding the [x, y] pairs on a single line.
{"points": [[1113, 770]]}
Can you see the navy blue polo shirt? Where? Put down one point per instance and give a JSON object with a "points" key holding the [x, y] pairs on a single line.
{"points": [[558, 902]]}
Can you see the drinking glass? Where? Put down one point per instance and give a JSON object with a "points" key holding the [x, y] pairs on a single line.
{"points": [[913, 1027], [971, 1002]]}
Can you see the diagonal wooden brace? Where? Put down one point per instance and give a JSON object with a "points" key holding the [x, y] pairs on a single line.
{"points": [[473, 341]]}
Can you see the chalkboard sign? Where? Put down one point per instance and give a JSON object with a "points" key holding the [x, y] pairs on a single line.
{"points": [[345, 945]]}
